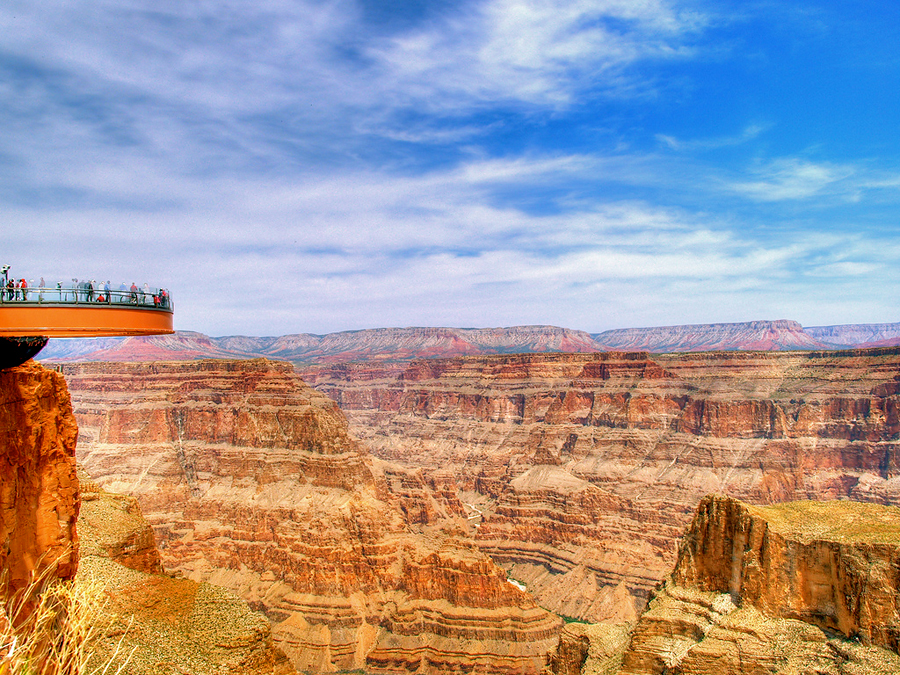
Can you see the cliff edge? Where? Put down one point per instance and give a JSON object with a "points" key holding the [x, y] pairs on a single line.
{"points": [[795, 587], [38, 481]]}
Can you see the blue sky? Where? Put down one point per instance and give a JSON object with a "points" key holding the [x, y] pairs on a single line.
{"points": [[298, 166]]}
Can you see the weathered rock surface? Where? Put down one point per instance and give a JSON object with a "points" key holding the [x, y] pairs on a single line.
{"points": [[748, 335], [377, 344], [380, 345], [159, 624], [38, 481], [579, 472], [251, 481], [168, 625], [589, 649], [803, 587], [112, 526]]}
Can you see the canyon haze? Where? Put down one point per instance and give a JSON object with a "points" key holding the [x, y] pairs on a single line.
{"points": [[381, 344]]}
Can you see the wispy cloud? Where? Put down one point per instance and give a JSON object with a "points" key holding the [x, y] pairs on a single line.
{"points": [[749, 133], [292, 157], [792, 178], [542, 52]]}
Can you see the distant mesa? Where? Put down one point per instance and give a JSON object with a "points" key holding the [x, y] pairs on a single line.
{"points": [[390, 347], [30, 315]]}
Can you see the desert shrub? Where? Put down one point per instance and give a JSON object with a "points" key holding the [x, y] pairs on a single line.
{"points": [[54, 627]]}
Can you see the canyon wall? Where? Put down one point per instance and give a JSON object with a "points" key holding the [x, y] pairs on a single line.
{"points": [[38, 481], [579, 472], [251, 481], [151, 621], [796, 587]]}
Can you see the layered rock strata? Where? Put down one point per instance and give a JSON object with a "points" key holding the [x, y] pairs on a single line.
{"points": [[748, 335], [251, 481], [149, 623], [797, 587], [38, 481], [579, 472]]}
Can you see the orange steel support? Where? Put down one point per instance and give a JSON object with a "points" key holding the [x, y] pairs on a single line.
{"points": [[83, 320]]}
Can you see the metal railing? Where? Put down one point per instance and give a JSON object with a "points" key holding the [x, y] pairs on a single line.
{"points": [[85, 294]]}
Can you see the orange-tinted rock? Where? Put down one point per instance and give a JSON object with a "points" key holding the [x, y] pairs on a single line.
{"points": [[590, 466], [38, 481], [252, 482], [796, 587], [833, 564], [164, 624], [112, 526]]}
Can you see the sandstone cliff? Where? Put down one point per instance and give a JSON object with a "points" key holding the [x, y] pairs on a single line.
{"points": [[157, 623], [798, 587], [38, 481], [579, 472], [252, 481]]}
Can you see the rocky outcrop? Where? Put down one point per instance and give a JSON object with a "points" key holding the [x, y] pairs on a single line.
{"points": [[589, 649], [832, 564], [157, 623], [797, 587], [112, 526], [579, 472], [252, 482], [748, 335], [38, 481]]}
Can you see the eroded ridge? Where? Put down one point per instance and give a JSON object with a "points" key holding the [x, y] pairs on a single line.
{"points": [[579, 472], [251, 480]]}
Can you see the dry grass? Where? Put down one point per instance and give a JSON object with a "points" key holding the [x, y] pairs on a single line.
{"points": [[53, 627]]}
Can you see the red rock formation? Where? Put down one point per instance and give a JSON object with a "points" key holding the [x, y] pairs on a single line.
{"points": [[381, 345], [832, 564], [164, 624], [797, 587], [38, 482], [584, 469], [251, 481]]}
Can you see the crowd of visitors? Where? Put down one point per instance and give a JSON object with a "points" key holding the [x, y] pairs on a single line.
{"points": [[84, 291]]}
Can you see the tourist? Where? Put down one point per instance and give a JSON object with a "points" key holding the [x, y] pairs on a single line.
{"points": [[24, 286], [107, 291], [134, 293]]}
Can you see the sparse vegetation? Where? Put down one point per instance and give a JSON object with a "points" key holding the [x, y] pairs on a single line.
{"points": [[52, 627]]}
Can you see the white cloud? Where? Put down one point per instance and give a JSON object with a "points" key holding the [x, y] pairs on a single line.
{"points": [[792, 178], [749, 133], [230, 150], [538, 52]]}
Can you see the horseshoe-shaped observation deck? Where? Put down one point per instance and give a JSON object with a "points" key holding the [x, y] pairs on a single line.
{"points": [[29, 316]]}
